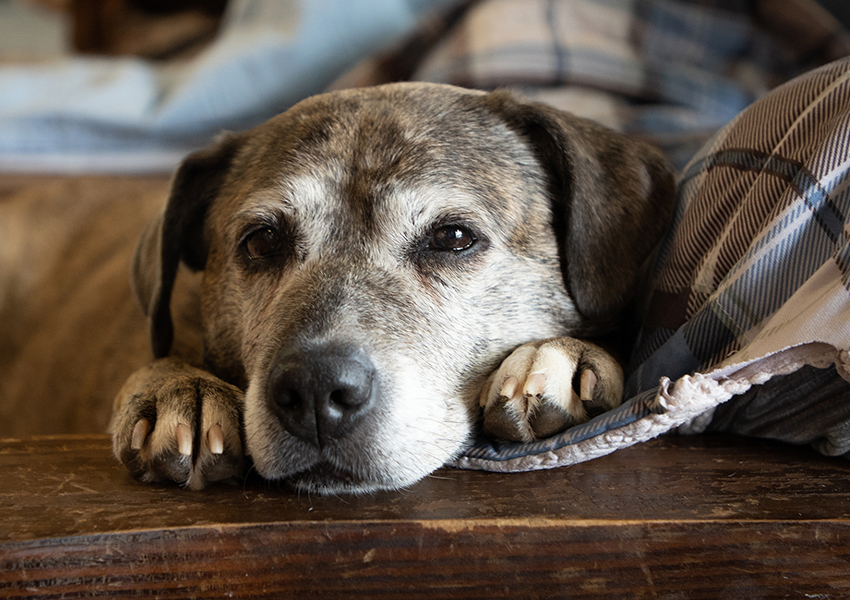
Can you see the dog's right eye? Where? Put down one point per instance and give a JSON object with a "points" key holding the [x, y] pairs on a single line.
{"points": [[453, 238], [263, 243]]}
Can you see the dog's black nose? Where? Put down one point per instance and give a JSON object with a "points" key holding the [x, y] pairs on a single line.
{"points": [[320, 394]]}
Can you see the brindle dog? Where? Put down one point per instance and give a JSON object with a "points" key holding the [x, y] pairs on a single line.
{"points": [[374, 267]]}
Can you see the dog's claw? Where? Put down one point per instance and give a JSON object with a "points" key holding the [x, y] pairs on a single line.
{"points": [[535, 384], [140, 434], [587, 384], [509, 388], [184, 439], [215, 438]]}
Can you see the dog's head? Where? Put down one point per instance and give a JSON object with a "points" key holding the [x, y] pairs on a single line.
{"points": [[371, 255]]}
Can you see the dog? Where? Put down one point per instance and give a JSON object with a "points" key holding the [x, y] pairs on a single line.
{"points": [[340, 296]]}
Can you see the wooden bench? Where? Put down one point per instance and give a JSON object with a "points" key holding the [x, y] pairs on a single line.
{"points": [[677, 517]]}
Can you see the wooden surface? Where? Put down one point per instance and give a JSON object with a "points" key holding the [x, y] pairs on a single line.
{"points": [[697, 517]]}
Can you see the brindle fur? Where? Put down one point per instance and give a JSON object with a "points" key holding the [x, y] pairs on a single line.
{"points": [[356, 183]]}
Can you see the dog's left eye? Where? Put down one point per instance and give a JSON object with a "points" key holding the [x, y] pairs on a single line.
{"points": [[263, 243], [453, 238]]}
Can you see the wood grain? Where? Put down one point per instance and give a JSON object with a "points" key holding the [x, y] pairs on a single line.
{"points": [[701, 517]]}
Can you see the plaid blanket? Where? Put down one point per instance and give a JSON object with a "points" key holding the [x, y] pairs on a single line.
{"points": [[751, 298], [670, 71]]}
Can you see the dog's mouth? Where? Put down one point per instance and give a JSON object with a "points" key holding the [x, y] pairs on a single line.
{"points": [[309, 426], [326, 478]]}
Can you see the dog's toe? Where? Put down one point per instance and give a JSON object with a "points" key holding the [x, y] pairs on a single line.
{"points": [[544, 387], [506, 416]]}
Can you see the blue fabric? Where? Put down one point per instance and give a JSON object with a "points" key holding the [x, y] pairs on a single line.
{"points": [[84, 112]]}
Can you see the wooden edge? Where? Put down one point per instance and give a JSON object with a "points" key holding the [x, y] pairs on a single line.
{"points": [[418, 559], [700, 517]]}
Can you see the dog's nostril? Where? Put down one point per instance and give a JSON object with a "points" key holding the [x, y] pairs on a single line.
{"points": [[288, 398], [354, 392], [339, 397], [344, 399]]}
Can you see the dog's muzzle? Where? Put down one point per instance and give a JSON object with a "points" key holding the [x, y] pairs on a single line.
{"points": [[322, 393]]}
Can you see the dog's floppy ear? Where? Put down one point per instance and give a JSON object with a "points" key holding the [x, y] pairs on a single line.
{"points": [[612, 201], [176, 235]]}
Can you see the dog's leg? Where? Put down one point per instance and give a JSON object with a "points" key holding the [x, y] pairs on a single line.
{"points": [[174, 422], [546, 386]]}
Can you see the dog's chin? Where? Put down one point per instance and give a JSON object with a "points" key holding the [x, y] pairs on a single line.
{"points": [[325, 473], [326, 479]]}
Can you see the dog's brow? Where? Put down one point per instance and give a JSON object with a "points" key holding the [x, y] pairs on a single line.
{"points": [[430, 203], [283, 198], [264, 207], [314, 187]]}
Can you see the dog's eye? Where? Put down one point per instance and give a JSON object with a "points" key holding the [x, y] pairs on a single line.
{"points": [[452, 238], [262, 243]]}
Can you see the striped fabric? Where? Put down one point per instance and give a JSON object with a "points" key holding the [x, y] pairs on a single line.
{"points": [[762, 207], [751, 284], [670, 71]]}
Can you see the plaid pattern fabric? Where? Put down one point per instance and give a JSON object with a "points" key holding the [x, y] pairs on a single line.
{"points": [[753, 282], [762, 208], [672, 72]]}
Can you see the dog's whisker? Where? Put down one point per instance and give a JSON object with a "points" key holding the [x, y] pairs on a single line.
{"points": [[441, 477]]}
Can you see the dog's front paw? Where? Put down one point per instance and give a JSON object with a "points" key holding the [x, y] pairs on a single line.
{"points": [[544, 387], [174, 422]]}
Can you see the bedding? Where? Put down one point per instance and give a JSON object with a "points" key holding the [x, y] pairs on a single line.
{"points": [[83, 114], [672, 72], [751, 298]]}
